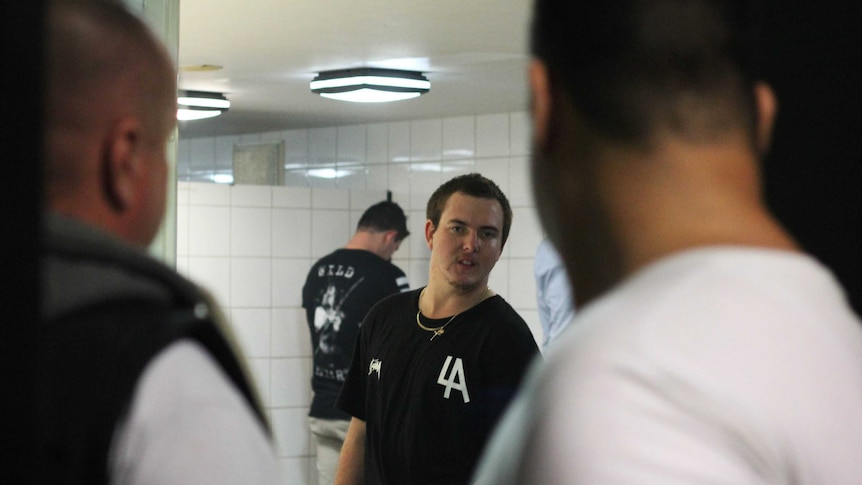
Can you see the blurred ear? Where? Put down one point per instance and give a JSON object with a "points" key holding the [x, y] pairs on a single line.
{"points": [[429, 233], [767, 108], [390, 236], [540, 102], [122, 163]]}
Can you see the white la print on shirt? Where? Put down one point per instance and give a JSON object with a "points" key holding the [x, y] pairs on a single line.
{"points": [[456, 379]]}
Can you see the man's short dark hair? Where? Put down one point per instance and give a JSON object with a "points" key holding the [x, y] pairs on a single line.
{"points": [[632, 68], [474, 185], [385, 216]]}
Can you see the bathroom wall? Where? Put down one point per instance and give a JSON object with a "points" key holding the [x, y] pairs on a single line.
{"points": [[252, 245]]}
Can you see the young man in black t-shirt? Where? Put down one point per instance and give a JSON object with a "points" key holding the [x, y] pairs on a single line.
{"points": [[339, 290], [434, 368]]}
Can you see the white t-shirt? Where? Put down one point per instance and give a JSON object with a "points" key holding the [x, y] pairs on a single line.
{"points": [[189, 425], [718, 365]]}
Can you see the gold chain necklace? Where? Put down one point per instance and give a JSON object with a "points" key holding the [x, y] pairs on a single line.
{"points": [[442, 328]]}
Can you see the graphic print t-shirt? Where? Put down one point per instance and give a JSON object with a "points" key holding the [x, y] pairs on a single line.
{"points": [[338, 292]]}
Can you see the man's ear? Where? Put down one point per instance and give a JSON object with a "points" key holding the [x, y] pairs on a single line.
{"points": [[540, 102], [429, 233], [122, 163], [767, 108]]}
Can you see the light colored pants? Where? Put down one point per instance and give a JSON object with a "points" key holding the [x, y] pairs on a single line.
{"points": [[329, 435]]}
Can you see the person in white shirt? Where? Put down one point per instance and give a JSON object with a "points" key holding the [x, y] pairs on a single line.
{"points": [[708, 347], [134, 380]]}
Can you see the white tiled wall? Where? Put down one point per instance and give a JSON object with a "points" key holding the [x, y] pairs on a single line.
{"points": [[251, 246]]}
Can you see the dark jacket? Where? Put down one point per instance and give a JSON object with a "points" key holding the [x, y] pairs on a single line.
{"points": [[106, 311]]}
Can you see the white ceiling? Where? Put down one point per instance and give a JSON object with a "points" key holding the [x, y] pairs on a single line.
{"points": [[472, 51]]}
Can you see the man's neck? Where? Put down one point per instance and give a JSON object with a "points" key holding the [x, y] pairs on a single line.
{"points": [[441, 299], [691, 196]]}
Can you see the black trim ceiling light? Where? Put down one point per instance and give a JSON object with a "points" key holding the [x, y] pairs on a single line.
{"points": [[370, 85], [199, 105]]}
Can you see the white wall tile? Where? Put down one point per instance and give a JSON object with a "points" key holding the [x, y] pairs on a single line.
{"points": [[209, 231], [401, 258], [522, 284], [183, 193], [351, 178], [290, 333], [321, 176], [252, 328], [526, 233], [209, 194], [399, 142], [459, 137], [183, 159], [293, 197], [296, 149], [520, 188], [291, 233], [251, 196], [492, 135], [290, 429], [454, 168], [224, 146], [351, 144], [399, 184], [426, 140], [363, 199], [184, 150], [330, 199], [288, 277], [251, 138], [496, 169], [329, 230], [251, 283], [291, 382], [182, 230], [322, 146], [260, 375], [498, 280], [272, 136], [520, 133], [417, 273], [377, 143], [417, 246], [182, 265], [202, 155], [425, 178], [377, 177], [296, 178], [251, 231], [213, 274]]}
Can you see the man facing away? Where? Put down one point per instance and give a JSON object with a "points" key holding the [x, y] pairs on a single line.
{"points": [[133, 381], [434, 368], [710, 349], [339, 290]]}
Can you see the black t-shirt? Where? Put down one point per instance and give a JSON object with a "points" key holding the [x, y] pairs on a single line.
{"points": [[339, 290], [429, 405]]}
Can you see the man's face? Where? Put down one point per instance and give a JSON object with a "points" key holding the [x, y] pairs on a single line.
{"points": [[467, 243]]}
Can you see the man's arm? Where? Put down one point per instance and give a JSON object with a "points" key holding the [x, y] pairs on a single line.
{"points": [[351, 464]]}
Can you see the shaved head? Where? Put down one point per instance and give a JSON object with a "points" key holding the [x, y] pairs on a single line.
{"points": [[110, 106]]}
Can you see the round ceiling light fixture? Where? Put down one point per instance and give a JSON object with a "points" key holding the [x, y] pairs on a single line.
{"points": [[370, 85], [199, 105]]}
